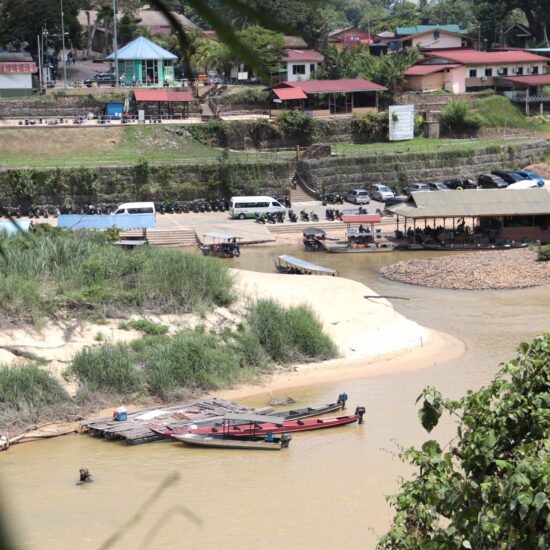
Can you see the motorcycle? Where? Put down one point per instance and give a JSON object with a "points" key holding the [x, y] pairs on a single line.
{"points": [[279, 217], [304, 217], [292, 217], [313, 217], [271, 218], [259, 218], [329, 214]]}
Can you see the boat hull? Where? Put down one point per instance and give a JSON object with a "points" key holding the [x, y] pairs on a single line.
{"points": [[366, 250], [472, 248], [308, 412], [222, 442], [288, 426]]}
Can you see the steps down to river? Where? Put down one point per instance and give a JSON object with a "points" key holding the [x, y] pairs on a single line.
{"points": [[167, 238], [278, 229]]}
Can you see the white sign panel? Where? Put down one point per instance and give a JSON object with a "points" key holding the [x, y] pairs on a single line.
{"points": [[141, 115], [401, 122], [242, 76]]}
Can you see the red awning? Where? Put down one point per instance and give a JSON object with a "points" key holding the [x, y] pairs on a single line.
{"points": [[163, 95], [289, 93], [362, 218]]}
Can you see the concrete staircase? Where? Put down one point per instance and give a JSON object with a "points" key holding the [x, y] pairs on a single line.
{"points": [[298, 227], [168, 238]]}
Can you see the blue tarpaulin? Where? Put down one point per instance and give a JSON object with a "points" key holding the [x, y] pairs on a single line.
{"points": [[105, 221], [114, 110], [12, 227]]}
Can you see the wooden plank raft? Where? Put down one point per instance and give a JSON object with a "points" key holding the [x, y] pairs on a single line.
{"points": [[136, 429]]}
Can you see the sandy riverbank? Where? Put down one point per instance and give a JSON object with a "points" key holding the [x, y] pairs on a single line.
{"points": [[372, 338]]}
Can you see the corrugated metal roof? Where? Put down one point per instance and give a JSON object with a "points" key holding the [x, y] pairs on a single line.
{"points": [[407, 31], [476, 202], [474, 57], [142, 48], [334, 86], [17, 67], [423, 70], [531, 80], [162, 95], [289, 93], [292, 260], [302, 55]]}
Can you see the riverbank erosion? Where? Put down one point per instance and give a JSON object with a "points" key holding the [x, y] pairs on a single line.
{"points": [[480, 270]]}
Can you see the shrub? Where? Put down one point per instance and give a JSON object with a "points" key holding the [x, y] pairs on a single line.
{"points": [[188, 361], [458, 119], [293, 124], [20, 299], [373, 126], [28, 394], [289, 334], [144, 325], [108, 368], [544, 253]]}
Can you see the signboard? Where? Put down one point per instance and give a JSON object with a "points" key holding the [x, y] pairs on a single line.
{"points": [[401, 122], [242, 76], [141, 115]]}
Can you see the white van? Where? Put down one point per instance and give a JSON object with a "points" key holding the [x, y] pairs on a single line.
{"points": [[136, 208], [246, 207]]}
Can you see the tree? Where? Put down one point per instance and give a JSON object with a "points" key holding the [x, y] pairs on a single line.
{"points": [[22, 20], [446, 12], [212, 54], [268, 45], [489, 488]]}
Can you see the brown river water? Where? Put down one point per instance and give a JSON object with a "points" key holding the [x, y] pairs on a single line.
{"points": [[326, 491]]}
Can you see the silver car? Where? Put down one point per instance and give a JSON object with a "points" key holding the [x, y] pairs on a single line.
{"points": [[358, 196], [381, 192]]}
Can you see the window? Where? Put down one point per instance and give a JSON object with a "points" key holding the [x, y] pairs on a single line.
{"points": [[503, 71], [311, 68], [519, 70], [298, 69], [436, 35], [488, 72], [473, 73], [535, 69]]}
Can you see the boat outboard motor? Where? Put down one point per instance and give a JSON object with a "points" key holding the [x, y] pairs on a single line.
{"points": [[359, 412], [342, 398], [285, 440]]}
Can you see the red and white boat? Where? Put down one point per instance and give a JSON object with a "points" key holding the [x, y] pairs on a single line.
{"points": [[263, 428]]}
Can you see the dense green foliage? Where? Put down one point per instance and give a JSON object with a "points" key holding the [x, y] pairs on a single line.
{"points": [[107, 368], [488, 488], [48, 272], [289, 334], [170, 367], [29, 393], [144, 325], [544, 253], [458, 119]]}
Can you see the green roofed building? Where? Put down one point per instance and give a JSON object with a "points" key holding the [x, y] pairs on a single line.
{"points": [[145, 63], [417, 29]]}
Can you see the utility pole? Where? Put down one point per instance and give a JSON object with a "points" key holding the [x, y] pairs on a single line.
{"points": [[115, 43], [63, 42], [40, 59]]}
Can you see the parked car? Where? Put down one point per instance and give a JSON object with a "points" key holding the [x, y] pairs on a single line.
{"points": [[358, 196], [528, 175], [490, 181], [508, 177], [108, 79], [415, 188], [381, 192], [438, 186], [460, 183]]}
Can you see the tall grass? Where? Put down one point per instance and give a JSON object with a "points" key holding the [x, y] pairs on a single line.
{"points": [[28, 393], [109, 368], [49, 270], [293, 334], [499, 112]]}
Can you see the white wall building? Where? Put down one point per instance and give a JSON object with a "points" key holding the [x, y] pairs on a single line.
{"points": [[16, 78]]}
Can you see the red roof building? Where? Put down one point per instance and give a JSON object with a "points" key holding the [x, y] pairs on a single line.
{"points": [[473, 57], [327, 97], [16, 78], [163, 102]]}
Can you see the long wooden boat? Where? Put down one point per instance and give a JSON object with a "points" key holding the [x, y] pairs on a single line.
{"points": [[263, 428], [361, 249], [307, 412], [291, 265], [218, 441]]}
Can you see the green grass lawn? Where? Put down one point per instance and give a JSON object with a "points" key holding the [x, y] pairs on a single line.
{"points": [[499, 112], [108, 146], [417, 145]]}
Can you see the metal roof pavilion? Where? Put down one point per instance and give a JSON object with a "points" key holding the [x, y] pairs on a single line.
{"points": [[305, 265], [142, 48], [476, 202]]}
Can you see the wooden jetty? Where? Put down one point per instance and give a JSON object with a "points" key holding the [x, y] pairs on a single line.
{"points": [[135, 430]]}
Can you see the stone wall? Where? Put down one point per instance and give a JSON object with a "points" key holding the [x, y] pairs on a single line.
{"points": [[337, 173], [81, 186]]}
